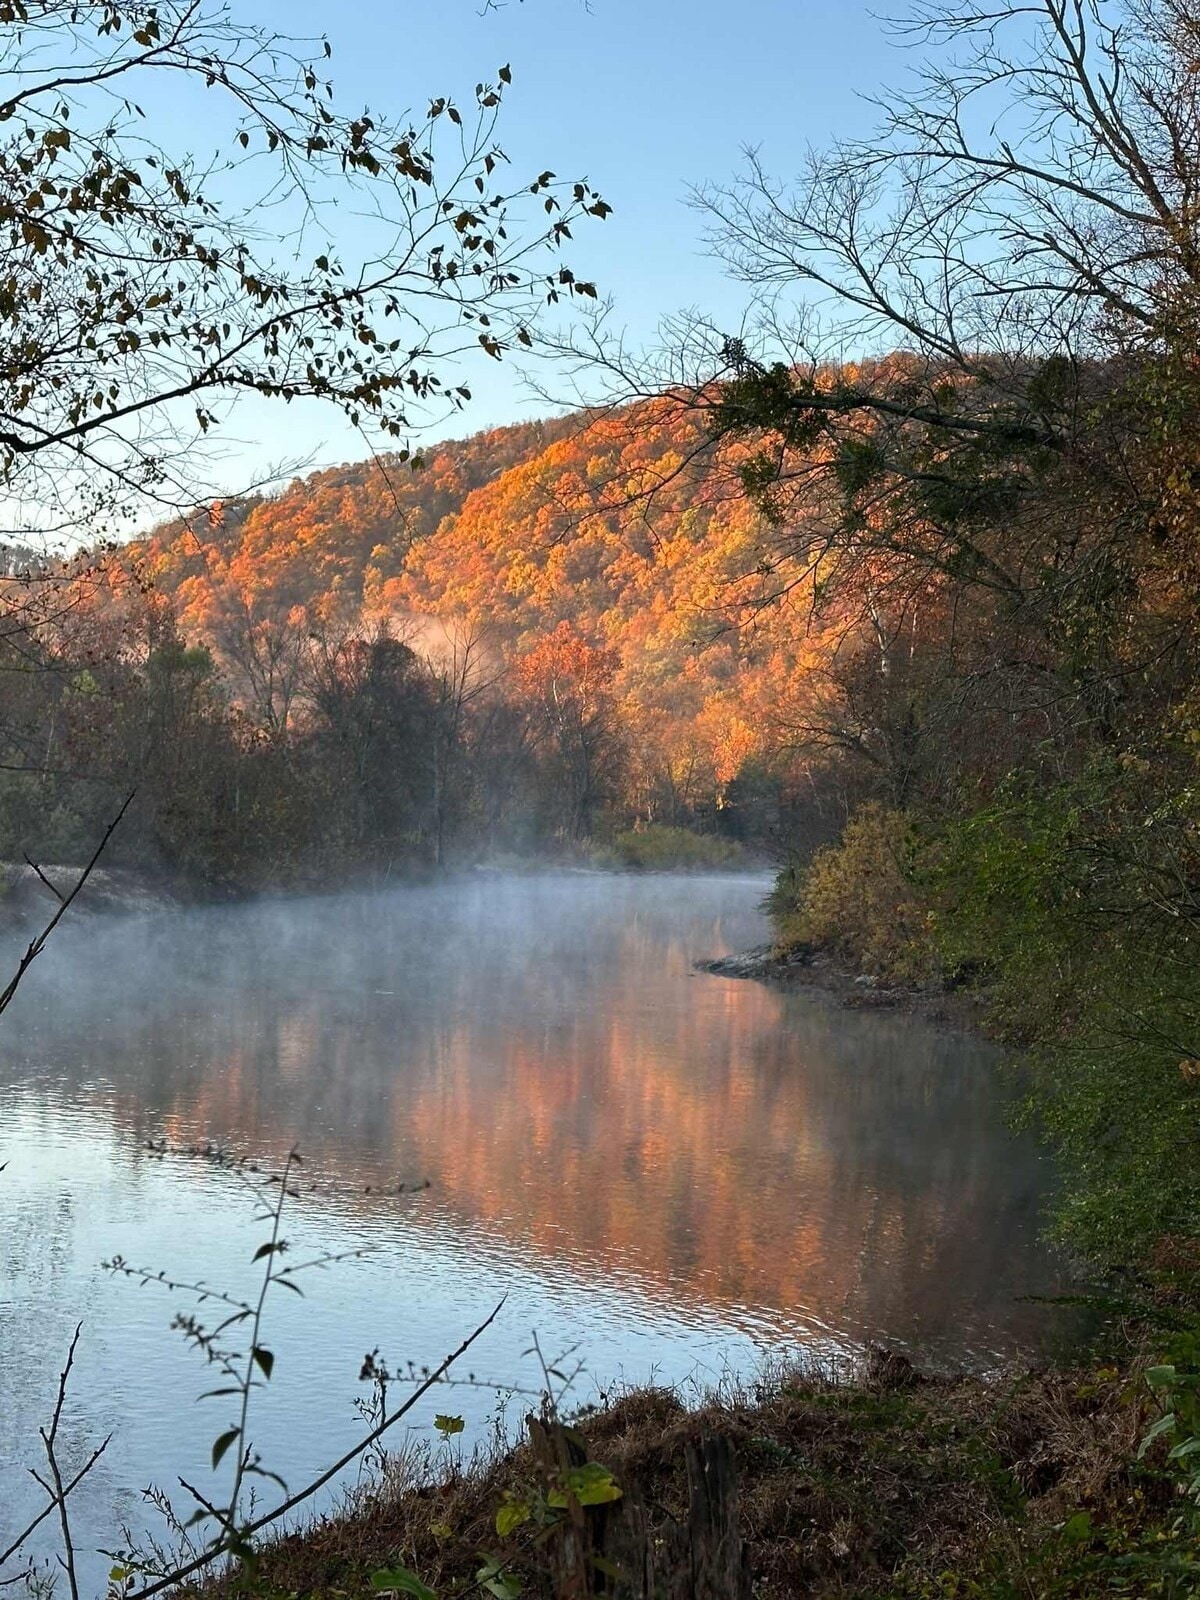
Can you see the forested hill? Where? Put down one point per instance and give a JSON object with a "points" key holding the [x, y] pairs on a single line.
{"points": [[318, 542], [621, 543], [540, 638], [598, 522]]}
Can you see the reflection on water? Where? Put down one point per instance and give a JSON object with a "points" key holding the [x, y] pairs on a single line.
{"points": [[674, 1171]]}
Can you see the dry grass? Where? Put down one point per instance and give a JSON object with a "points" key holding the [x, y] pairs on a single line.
{"points": [[891, 1485]]}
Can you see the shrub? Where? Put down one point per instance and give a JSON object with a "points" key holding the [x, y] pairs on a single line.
{"points": [[1075, 904], [661, 849], [860, 898]]}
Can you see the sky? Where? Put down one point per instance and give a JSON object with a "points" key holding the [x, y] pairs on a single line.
{"points": [[644, 97]]}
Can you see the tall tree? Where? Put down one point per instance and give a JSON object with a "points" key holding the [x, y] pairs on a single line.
{"points": [[569, 684], [1018, 241]]}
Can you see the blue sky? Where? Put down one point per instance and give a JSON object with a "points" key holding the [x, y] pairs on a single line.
{"points": [[645, 97]]}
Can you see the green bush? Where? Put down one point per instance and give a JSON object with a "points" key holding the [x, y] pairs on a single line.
{"points": [[1073, 905], [1009, 883]]}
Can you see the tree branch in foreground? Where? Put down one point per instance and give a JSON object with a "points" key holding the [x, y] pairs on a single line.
{"points": [[59, 1493], [39, 944]]}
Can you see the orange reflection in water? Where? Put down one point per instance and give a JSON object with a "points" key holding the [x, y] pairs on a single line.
{"points": [[546, 1056]]}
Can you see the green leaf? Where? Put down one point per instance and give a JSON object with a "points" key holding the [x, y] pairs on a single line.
{"points": [[1163, 1425], [1078, 1528], [1160, 1377], [221, 1445], [447, 1426], [589, 1485], [493, 1580], [264, 1360], [399, 1580], [511, 1515]]}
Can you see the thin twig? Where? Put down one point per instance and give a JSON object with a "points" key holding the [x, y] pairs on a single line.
{"points": [[57, 1494], [53, 887], [48, 1439], [209, 1556], [217, 1515], [38, 945], [5, 1555]]}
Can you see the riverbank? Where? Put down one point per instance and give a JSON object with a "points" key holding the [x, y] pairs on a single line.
{"points": [[28, 893], [819, 972], [882, 1484]]}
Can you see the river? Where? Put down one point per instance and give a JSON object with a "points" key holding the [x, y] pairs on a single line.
{"points": [[664, 1175]]}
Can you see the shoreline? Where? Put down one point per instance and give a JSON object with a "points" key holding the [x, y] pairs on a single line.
{"points": [[879, 1483], [817, 972]]}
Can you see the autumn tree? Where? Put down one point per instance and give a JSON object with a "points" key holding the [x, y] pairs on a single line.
{"points": [[461, 674], [266, 643], [569, 685]]}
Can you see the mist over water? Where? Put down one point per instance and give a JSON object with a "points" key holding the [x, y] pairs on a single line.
{"points": [[672, 1174]]}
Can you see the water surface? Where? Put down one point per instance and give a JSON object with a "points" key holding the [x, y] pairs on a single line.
{"points": [[667, 1174]]}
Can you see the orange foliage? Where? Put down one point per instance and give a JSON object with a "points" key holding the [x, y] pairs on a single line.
{"points": [[628, 530]]}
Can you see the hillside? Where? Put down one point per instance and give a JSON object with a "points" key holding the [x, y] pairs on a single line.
{"points": [[625, 534], [538, 639]]}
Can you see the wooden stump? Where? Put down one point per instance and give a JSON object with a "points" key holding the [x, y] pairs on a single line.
{"points": [[611, 1550]]}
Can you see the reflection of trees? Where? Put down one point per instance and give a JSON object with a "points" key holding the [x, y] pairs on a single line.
{"points": [[540, 1049]]}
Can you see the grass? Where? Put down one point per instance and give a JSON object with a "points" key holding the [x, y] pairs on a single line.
{"points": [[656, 848], [890, 1485]]}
